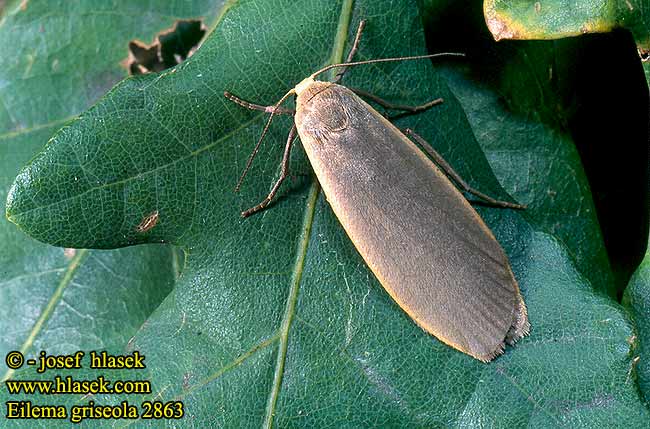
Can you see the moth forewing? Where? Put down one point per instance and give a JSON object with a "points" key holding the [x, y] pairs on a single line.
{"points": [[423, 241]]}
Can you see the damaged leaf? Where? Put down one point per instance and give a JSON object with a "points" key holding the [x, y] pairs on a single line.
{"points": [[169, 48], [554, 19]]}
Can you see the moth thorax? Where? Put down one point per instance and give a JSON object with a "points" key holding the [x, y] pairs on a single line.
{"points": [[304, 85]]}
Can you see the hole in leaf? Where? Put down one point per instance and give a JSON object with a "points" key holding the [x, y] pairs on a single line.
{"points": [[169, 48]]}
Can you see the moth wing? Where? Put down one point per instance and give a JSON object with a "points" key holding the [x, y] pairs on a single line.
{"points": [[423, 241]]}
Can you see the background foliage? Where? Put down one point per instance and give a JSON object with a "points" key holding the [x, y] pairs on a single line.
{"points": [[275, 319]]}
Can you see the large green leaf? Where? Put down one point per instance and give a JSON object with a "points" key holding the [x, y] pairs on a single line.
{"points": [[276, 319]]}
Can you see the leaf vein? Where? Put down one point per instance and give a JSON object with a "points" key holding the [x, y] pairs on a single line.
{"points": [[51, 305], [141, 174]]}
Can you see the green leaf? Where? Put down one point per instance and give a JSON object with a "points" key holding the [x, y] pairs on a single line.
{"points": [[54, 66], [44, 289], [530, 19], [92, 299], [276, 319], [534, 161], [637, 299]]}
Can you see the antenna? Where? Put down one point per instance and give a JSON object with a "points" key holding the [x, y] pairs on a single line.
{"points": [[386, 60]]}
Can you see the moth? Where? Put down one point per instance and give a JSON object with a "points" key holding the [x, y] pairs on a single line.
{"points": [[423, 241]]}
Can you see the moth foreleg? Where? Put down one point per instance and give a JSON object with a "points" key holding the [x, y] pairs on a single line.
{"points": [[392, 106], [284, 172]]}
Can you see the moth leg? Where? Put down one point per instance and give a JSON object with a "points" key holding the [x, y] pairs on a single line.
{"points": [[284, 173], [449, 171], [391, 106], [353, 51], [273, 110], [252, 106]]}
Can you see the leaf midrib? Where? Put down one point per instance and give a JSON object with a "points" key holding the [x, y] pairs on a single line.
{"points": [[301, 256]]}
